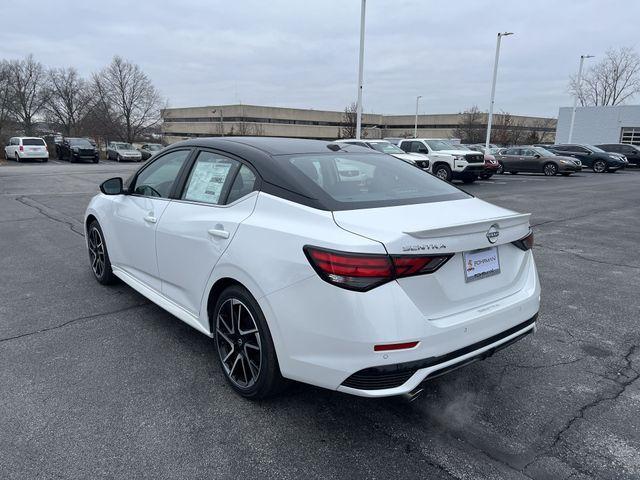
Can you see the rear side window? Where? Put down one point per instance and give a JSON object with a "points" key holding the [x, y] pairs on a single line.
{"points": [[208, 178], [244, 184], [33, 142], [370, 180]]}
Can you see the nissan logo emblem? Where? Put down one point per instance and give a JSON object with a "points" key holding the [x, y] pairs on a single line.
{"points": [[493, 233]]}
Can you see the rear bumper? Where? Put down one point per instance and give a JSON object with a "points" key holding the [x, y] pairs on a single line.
{"points": [[401, 378], [324, 335]]}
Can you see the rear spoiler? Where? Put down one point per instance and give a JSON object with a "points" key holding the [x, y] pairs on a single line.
{"points": [[473, 227]]}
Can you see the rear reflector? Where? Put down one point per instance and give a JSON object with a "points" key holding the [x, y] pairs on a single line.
{"points": [[525, 243], [362, 272], [394, 346]]}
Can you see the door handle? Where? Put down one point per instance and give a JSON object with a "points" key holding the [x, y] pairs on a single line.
{"points": [[218, 232], [150, 219]]}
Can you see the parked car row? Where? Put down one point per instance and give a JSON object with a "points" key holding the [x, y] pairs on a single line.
{"points": [[75, 149]]}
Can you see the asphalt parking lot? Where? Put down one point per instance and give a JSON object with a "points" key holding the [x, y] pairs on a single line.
{"points": [[96, 382]]}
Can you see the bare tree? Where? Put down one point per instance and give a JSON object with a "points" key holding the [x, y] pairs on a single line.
{"points": [[67, 98], [128, 97], [27, 80], [349, 121], [471, 128], [6, 97], [612, 81]]}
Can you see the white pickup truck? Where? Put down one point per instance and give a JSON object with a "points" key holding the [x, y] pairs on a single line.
{"points": [[447, 162]]}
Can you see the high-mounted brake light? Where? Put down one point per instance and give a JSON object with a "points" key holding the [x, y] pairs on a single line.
{"points": [[525, 243], [362, 271]]}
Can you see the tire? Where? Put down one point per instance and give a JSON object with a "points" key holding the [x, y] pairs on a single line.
{"points": [[17, 158], [599, 166], [485, 176], [550, 169], [513, 173], [96, 160], [248, 354], [443, 172], [99, 255], [118, 158], [500, 170]]}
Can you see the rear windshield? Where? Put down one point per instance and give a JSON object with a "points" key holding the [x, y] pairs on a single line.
{"points": [[79, 142], [370, 180], [33, 141]]}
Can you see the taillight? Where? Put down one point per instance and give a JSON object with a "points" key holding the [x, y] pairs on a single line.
{"points": [[362, 272], [525, 243], [21, 148]]}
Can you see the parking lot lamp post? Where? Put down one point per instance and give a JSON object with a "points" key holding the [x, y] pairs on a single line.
{"points": [[493, 86], [415, 128], [575, 100], [360, 66]]}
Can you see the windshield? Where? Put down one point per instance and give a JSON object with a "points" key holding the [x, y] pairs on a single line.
{"points": [[595, 149], [33, 141], [371, 180], [543, 152], [438, 145], [385, 147], [79, 142], [122, 146]]}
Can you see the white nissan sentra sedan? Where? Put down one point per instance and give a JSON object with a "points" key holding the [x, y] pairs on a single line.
{"points": [[325, 263]]}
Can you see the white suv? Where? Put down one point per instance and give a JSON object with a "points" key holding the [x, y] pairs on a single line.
{"points": [[447, 162], [384, 146], [22, 148]]}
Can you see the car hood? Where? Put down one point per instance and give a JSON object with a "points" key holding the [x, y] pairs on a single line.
{"points": [[128, 152], [411, 157], [455, 152]]}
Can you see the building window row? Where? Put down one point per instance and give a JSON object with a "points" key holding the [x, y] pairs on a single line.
{"points": [[630, 135]]}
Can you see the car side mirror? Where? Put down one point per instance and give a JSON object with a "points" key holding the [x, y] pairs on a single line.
{"points": [[113, 186], [537, 155]]}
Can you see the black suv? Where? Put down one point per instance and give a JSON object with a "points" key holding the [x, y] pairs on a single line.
{"points": [[590, 156], [76, 149], [632, 152]]}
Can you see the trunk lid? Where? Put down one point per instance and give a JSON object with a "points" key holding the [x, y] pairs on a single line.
{"points": [[452, 227]]}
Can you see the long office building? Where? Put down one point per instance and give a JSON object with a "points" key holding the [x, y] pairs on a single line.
{"points": [[219, 120]]}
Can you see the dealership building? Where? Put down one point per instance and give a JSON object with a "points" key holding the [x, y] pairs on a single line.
{"points": [[597, 125], [216, 120]]}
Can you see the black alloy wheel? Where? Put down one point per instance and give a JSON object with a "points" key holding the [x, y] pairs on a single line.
{"points": [[98, 255], [245, 348], [550, 169]]}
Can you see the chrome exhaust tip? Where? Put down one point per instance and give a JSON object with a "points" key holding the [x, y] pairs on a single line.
{"points": [[413, 394]]}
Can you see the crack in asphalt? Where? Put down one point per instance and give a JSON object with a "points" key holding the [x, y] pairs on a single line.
{"points": [[534, 367], [51, 215], [74, 320], [579, 415], [588, 259]]}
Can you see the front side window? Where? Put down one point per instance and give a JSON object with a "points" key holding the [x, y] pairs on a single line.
{"points": [[208, 178], [512, 151], [158, 177], [370, 180]]}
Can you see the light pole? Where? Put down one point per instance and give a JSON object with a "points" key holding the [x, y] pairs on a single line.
{"points": [[415, 128], [493, 86], [360, 66], [575, 100]]}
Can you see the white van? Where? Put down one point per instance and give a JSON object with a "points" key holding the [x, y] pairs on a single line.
{"points": [[23, 148]]}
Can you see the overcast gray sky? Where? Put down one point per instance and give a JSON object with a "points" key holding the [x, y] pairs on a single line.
{"points": [[304, 53]]}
